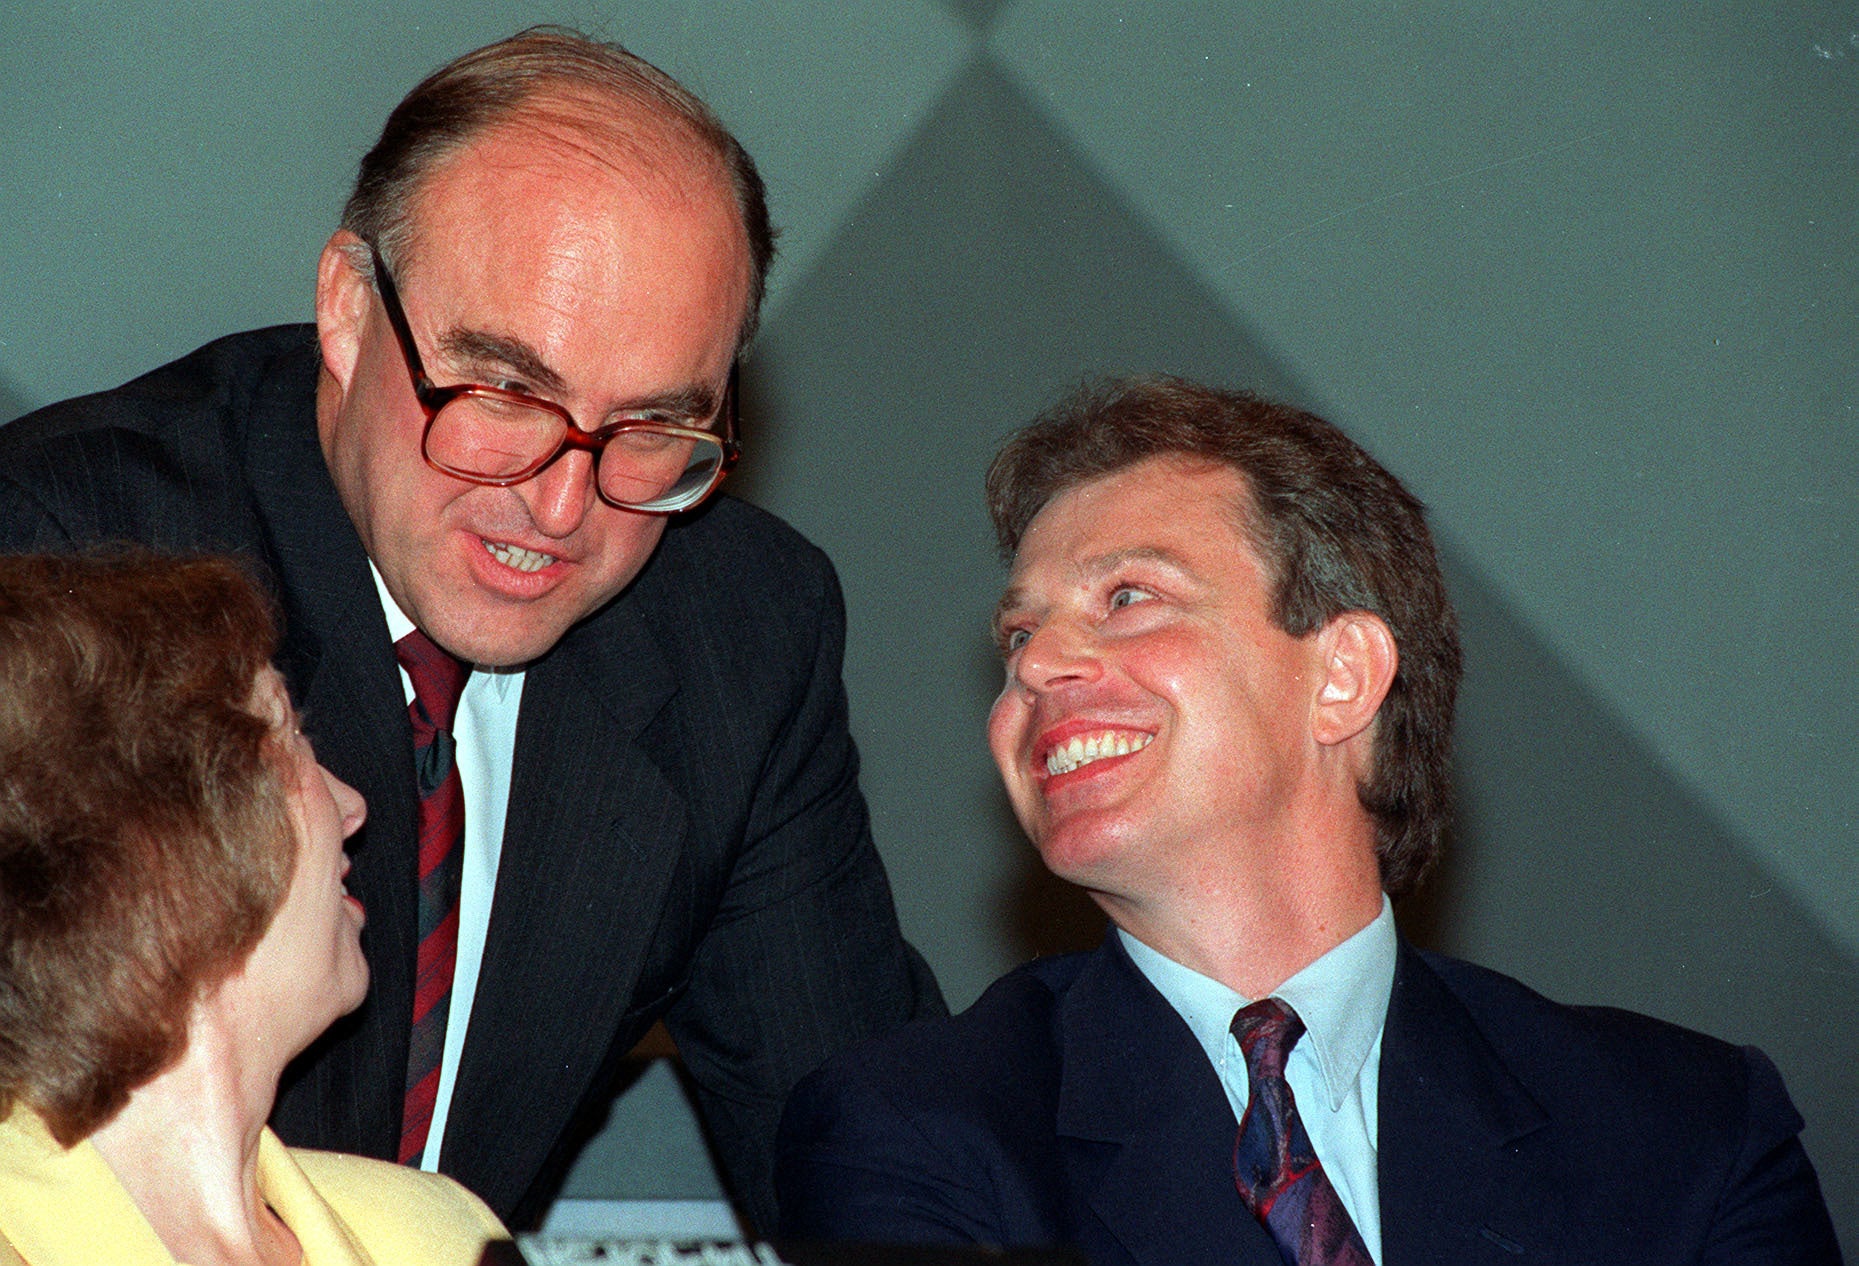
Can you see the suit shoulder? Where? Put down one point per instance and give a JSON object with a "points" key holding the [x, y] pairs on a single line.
{"points": [[400, 1213], [943, 1131], [1595, 1030], [163, 459], [736, 585], [1565, 1050], [1653, 1134], [212, 381], [746, 543]]}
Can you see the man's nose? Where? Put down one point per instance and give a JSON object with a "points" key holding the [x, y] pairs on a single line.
{"points": [[1058, 653], [561, 493]]}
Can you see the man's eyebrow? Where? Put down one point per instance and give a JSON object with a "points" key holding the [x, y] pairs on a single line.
{"points": [[695, 402], [1009, 600], [1100, 564], [480, 347]]}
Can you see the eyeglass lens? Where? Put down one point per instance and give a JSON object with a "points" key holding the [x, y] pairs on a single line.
{"points": [[494, 438]]}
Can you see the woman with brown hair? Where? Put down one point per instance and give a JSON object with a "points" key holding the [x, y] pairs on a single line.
{"points": [[173, 930]]}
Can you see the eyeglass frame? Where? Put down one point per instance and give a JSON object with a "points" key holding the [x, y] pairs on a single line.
{"points": [[433, 398]]}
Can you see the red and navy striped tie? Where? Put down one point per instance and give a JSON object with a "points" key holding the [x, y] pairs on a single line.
{"points": [[437, 681], [1279, 1176]]}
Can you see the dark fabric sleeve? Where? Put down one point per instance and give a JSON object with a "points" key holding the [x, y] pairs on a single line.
{"points": [[52, 493], [852, 1165], [803, 956], [26, 524], [1771, 1209]]}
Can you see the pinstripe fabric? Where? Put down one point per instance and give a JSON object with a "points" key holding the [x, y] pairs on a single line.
{"points": [[684, 815]]}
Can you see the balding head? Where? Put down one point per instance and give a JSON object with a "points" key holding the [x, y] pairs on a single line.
{"points": [[554, 79]]}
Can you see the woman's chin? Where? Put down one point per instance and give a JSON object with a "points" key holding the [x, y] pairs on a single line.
{"points": [[358, 993]]}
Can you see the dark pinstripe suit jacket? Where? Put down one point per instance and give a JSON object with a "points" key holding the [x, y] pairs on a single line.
{"points": [[685, 837], [1071, 1104]]}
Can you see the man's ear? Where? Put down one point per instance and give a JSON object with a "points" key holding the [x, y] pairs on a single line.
{"points": [[344, 295], [1358, 662]]}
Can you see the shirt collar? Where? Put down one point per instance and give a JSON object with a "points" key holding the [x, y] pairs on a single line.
{"points": [[498, 680], [1342, 997], [398, 626]]}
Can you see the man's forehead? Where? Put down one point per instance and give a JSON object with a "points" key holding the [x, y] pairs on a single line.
{"points": [[516, 239], [1111, 508], [1135, 514], [1113, 557], [571, 155]]}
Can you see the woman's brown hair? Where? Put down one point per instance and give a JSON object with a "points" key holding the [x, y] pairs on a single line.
{"points": [[145, 838]]}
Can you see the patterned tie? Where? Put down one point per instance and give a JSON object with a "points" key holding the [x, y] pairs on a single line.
{"points": [[1279, 1176], [437, 681]]}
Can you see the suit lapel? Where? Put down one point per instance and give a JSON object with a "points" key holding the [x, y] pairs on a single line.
{"points": [[593, 835], [340, 663], [1146, 1129], [591, 838], [1457, 1167]]}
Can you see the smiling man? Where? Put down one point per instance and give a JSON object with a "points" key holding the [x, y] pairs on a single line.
{"points": [[595, 711], [1230, 673]]}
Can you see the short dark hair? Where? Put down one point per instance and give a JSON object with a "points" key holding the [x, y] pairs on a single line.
{"points": [[145, 837], [1335, 532], [467, 96]]}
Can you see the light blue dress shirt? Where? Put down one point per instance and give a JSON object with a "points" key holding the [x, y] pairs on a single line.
{"points": [[1333, 1070], [484, 733]]}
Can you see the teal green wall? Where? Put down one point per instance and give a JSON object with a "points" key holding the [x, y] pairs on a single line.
{"points": [[1584, 275]]}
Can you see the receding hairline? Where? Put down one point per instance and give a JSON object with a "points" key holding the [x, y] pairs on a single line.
{"points": [[541, 68], [641, 142]]}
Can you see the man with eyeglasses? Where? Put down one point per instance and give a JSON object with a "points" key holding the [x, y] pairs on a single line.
{"points": [[491, 462]]}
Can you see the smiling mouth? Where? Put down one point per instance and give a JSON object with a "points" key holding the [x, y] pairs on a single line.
{"points": [[517, 558], [1085, 748]]}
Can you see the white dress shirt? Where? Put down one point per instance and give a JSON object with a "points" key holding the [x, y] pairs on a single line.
{"points": [[1333, 1070], [484, 732]]}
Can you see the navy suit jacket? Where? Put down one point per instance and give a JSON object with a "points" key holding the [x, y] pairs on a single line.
{"points": [[685, 835], [1071, 1104]]}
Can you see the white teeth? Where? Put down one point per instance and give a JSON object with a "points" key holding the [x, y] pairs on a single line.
{"points": [[518, 557], [1083, 750]]}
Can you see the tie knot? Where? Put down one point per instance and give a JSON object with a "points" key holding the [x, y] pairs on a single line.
{"points": [[438, 678], [1267, 1030]]}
